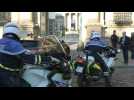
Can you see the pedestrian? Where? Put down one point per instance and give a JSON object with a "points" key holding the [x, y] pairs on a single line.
{"points": [[124, 44], [132, 46], [114, 39]]}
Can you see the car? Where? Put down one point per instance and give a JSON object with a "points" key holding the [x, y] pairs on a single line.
{"points": [[48, 44]]}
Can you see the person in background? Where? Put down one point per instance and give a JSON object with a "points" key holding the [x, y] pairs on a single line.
{"points": [[132, 46], [114, 40], [124, 44]]}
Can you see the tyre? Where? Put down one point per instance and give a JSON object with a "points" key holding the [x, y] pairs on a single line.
{"points": [[82, 82]]}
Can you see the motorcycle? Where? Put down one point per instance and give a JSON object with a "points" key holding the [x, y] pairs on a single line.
{"points": [[56, 73], [88, 70], [47, 75]]}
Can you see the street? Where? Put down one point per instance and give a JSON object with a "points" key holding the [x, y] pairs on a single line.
{"points": [[122, 77], [28, 38]]}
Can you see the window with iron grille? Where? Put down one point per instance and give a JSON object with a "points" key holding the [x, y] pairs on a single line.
{"points": [[123, 18]]}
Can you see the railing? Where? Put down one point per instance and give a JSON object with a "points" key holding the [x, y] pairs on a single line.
{"points": [[123, 18]]}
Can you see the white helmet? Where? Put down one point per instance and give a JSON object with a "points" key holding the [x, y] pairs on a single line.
{"points": [[95, 35], [12, 27]]}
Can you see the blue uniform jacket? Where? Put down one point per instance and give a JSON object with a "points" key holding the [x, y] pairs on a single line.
{"points": [[14, 55], [96, 44]]}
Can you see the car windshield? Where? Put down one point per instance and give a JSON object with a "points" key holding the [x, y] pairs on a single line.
{"points": [[51, 44]]}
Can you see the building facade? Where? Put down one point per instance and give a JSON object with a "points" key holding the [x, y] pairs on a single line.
{"points": [[59, 21], [51, 27], [51, 23], [106, 22], [72, 26], [4, 18], [44, 22], [26, 20], [120, 21], [77, 25], [40, 19], [72, 22], [89, 21]]}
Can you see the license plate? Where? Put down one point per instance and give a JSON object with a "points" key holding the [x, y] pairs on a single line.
{"points": [[79, 69]]}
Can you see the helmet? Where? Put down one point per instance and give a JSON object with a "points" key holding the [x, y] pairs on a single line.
{"points": [[11, 27], [95, 35]]}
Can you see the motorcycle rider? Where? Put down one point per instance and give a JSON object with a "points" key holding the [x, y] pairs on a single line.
{"points": [[96, 45], [13, 56]]}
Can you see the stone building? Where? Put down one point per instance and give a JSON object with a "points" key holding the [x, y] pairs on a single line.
{"points": [[26, 20], [59, 21], [72, 26], [106, 22]]}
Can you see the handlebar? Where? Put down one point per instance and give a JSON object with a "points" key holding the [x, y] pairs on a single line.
{"points": [[108, 51]]}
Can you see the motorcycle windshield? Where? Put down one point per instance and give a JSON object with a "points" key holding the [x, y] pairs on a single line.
{"points": [[52, 45]]}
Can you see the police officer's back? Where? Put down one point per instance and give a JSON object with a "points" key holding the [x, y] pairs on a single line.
{"points": [[96, 45]]}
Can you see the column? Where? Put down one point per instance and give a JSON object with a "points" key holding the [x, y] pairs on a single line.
{"points": [[69, 22], [102, 18], [38, 18], [76, 22], [66, 21]]}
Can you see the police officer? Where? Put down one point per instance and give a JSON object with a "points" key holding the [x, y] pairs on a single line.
{"points": [[13, 56], [96, 45]]}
